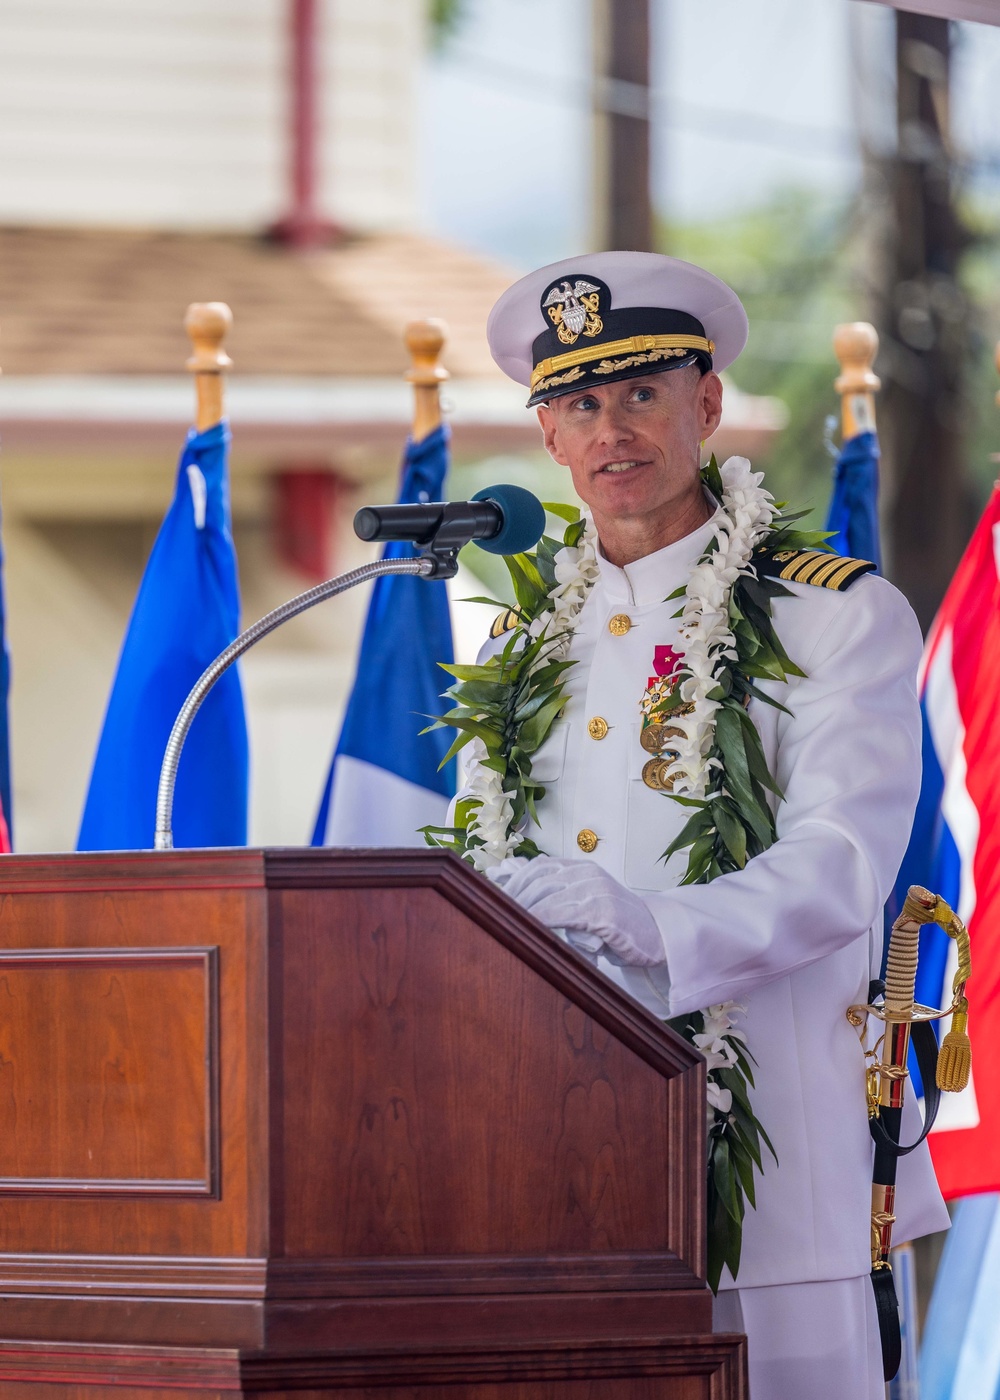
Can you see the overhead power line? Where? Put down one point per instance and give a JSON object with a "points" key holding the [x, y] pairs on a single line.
{"points": [[667, 111]]}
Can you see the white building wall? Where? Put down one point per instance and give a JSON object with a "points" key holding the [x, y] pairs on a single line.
{"points": [[173, 113], [371, 57]]}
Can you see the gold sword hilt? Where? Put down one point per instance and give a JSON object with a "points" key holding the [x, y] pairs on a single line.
{"points": [[955, 1057], [900, 982]]}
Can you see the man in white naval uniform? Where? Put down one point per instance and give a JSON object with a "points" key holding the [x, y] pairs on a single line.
{"points": [[794, 936]]}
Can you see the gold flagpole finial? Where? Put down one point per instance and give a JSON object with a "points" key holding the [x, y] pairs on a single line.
{"points": [[207, 324], [855, 345], [424, 340]]}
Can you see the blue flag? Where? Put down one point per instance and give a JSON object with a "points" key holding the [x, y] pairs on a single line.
{"points": [[384, 782], [186, 612], [960, 1352], [853, 513]]}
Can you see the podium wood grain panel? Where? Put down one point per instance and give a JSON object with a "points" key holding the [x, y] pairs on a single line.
{"points": [[698, 1367], [143, 1040], [108, 1065], [444, 1088]]}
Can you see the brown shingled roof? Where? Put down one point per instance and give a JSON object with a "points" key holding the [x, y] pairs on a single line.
{"points": [[397, 278], [112, 301]]}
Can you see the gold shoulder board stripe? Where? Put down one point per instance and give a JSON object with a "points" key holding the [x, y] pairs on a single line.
{"points": [[825, 570], [504, 622]]}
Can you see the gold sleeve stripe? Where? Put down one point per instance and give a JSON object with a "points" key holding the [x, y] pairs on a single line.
{"points": [[504, 622], [803, 569], [853, 569], [801, 566], [633, 344], [823, 570]]}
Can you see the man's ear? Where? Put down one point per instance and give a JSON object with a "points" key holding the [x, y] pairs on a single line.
{"points": [[548, 423], [710, 403]]}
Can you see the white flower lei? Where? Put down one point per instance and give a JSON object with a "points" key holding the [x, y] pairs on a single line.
{"points": [[743, 521], [576, 573]]}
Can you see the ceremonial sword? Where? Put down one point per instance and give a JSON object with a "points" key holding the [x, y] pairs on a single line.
{"points": [[947, 1069]]}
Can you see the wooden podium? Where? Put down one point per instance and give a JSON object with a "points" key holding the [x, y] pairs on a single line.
{"points": [[316, 1124]]}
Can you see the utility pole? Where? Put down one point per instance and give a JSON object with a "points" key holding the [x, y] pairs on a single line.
{"points": [[924, 324], [623, 214]]}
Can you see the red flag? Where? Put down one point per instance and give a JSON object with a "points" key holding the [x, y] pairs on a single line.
{"points": [[960, 696]]}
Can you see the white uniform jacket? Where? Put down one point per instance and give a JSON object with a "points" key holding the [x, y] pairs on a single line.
{"points": [[795, 936]]}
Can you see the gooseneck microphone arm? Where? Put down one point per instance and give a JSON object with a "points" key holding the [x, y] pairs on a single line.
{"points": [[424, 567], [503, 519]]}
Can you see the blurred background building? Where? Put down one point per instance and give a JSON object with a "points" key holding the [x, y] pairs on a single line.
{"points": [[156, 153], [270, 154], [334, 168]]}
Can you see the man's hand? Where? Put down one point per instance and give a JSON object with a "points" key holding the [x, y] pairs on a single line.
{"points": [[588, 903]]}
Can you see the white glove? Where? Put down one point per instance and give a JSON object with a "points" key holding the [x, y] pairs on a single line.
{"points": [[583, 899]]}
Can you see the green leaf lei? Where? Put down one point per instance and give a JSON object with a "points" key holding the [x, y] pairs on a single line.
{"points": [[510, 703], [735, 823]]}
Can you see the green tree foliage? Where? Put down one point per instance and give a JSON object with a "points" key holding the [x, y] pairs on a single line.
{"points": [[446, 17], [981, 279], [798, 263], [791, 261]]}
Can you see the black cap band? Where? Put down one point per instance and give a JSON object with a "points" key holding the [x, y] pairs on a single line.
{"points": [[589, 344]]}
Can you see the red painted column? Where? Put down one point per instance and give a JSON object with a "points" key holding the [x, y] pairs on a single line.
{"points": [[303, 226], [308, 497]]}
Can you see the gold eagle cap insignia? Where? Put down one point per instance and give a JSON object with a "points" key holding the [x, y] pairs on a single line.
{"points": [[574, 309]]}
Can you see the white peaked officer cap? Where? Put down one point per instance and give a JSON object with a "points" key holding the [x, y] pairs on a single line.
{"points": [[591, 320]]}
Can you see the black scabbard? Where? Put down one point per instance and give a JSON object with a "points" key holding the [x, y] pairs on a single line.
{"points": [[883, 1197]]}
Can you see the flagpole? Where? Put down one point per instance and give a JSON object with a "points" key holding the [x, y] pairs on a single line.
{"points": [[424, 340], [207, 324], [855, 345]]}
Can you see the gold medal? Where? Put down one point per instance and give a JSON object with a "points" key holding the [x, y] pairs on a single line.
{"points": [[655, 774], [655, 736]]}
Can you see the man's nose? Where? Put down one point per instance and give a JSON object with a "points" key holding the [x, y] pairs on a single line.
{"points": [[615, 426]]}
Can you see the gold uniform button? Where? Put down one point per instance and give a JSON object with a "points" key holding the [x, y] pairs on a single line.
{"points": [[597, 728], [587, 840], [619, 624]]}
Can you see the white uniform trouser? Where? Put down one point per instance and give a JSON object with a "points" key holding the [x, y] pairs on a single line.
{"points": [[807, 1341]]}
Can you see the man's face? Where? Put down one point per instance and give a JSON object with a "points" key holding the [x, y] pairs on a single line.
{"points": [[633, 447]]}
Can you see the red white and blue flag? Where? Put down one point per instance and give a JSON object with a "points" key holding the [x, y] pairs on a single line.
{"points": [[955, 845]]}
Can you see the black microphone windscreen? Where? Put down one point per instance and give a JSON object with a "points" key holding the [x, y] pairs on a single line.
{"points": [[523, 519]]}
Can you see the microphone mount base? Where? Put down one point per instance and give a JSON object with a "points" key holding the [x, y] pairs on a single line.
{"points": [[443, 559]]}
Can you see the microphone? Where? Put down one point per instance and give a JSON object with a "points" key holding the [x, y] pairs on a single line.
{"points": [[501, 520]]}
